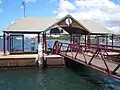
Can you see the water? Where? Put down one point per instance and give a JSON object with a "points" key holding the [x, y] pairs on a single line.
{"points": [[27, 44], [53, 79]]}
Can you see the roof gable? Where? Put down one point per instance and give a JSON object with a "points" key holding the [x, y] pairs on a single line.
{"points": [[62, 23]]}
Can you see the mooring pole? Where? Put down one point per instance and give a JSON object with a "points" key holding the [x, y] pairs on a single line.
{"points": [[10, 43], [38, 38], [7, 41], [12, 37], [23, 43], [4, 43], [45, 42], [44, 50]]}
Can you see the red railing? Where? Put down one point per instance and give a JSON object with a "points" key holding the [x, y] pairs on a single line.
{"points": [[101, 52]]}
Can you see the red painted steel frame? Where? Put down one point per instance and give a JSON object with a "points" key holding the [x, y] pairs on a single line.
{"points": [[99, 49]]}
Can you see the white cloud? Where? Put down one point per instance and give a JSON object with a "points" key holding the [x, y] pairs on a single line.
{"points": [[30, 1], [97, 10], [1, 10], [66, 5], [0, 1], [63, 13], [115, 29], [64, 8]]}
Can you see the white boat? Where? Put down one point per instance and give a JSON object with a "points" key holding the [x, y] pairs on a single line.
{"points": [[110, 40], [18, 38]]}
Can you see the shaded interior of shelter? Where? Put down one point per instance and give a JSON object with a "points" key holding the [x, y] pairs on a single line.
{"points": [[72, 32], [53, 31], [75, 30], [81, 34]]}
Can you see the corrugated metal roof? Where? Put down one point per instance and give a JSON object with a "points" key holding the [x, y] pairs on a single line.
{"points": [[31, 24], [39, 24], [94, 28]]}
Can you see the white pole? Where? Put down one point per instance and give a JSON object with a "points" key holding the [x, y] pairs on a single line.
{"points": [[23, 5]]}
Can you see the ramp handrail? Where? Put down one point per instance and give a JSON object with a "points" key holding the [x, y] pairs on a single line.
{"points": [[94, 46]]}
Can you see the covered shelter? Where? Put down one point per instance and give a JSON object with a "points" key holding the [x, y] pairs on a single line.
{"points": [[77, 28], [27, 25], [35, 25]]}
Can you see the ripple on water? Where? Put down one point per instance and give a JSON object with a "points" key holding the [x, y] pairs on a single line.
{"points": [[55, 79]]}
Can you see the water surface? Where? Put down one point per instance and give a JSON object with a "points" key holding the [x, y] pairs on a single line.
{"points": [[53, 79]]}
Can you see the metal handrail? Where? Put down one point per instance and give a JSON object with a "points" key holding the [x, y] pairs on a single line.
{"points": [[96, 46]]}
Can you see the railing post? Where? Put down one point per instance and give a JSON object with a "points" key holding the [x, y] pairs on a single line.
{"points": [[54, 47], [71, 49], [113, 72], [67, 48], [105, 62], [77, 52], [57, 47], [60, 48], [93, 56]]}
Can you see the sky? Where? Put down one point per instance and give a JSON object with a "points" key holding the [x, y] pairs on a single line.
{"points": [[106, 12]]}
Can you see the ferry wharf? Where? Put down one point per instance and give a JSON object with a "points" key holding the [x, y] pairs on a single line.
{"points": [[82, 48]]}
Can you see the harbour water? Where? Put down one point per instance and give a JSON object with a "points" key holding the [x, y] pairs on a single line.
{"points": [[55, 79]]}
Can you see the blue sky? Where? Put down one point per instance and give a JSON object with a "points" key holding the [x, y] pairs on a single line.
{"points": [[10, 10]]}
